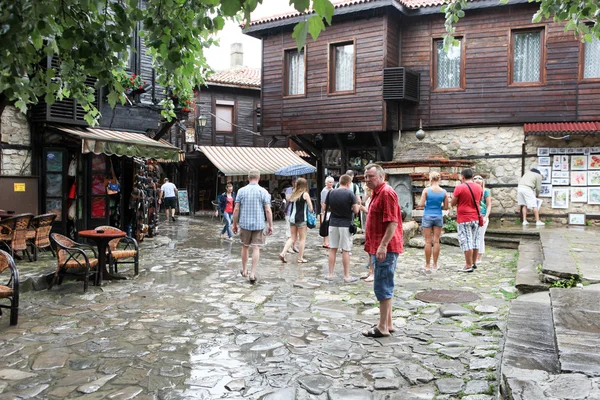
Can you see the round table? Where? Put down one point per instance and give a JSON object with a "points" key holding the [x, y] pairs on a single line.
{"points": [[101, 240]]}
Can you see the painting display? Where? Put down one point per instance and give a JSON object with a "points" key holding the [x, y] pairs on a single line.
{"points": [[546, 174], [594, 178], [578, 178], [594, 161], [578, 163], [560, 198], [593, 195], [579, 195], [545, 191], [547, 161], [576, 219], [543, 151]]}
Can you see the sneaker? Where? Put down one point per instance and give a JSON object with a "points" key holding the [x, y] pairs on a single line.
{"points": [[465, 269], [525, 223], [539, 223]]}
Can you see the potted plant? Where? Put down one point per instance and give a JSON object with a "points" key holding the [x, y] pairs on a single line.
{"points": [[184, 103], [132, 84]]}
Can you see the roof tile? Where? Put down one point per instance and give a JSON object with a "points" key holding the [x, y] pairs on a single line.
{"points": [[580, 128], [243, 77]]}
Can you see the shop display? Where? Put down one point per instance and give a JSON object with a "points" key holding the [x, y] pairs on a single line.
{"points": [[144, 200], [546, 191], [579, 178], [593, 195], [594, 178], [579, 195], [560, 198]]}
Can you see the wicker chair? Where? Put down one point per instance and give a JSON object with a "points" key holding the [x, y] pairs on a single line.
{"points": [[129, 249], [73, 260], [14, 233], [10, 291], [39, 233]]}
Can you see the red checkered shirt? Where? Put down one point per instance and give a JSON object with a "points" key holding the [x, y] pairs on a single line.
{"points": [[384, 208]]}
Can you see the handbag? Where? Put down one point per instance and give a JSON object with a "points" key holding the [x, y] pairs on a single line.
{"points": [[311, 220], [113, 186], [353, 228], [324, 228], [481, 221]]}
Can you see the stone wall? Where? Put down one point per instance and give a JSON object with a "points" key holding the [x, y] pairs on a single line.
{"points": [[500, 141], [15, 131]]}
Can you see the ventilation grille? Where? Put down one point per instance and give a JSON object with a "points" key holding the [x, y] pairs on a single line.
{"points": [[65, 111], [400, 84]]}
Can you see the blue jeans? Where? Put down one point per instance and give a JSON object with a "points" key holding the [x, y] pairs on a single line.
{"points": [[227, 228], [383, 282]]}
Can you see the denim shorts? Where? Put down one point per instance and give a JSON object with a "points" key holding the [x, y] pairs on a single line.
{"points": [[429, 221], [383, 280]]}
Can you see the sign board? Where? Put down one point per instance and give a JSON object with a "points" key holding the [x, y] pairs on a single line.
{"points": [[19, 187], [190, 135], [184, 204]]}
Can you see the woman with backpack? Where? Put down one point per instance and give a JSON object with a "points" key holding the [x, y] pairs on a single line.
{"points": [[300, 205]]}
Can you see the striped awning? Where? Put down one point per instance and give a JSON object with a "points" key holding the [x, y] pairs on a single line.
{"points": [[562, 128], [233, 161], [122, 143]]}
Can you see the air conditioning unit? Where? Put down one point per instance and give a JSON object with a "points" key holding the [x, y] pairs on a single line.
{"points": [[401, 84]]}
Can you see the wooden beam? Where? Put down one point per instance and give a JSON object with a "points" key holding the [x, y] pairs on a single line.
{"points": [[164, 129], [307, 146], [379, 146]]}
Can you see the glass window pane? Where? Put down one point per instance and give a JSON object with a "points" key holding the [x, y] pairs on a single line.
{"points": [[591, 63], [54, 161], [295, 72], [98, 162], [224, 118], [448, 66], [98, 207], [54, 185], [98, 185], [527, 57], [344, 67], [54, 206]]}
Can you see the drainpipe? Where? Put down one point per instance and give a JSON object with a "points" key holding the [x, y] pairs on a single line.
{"points": [[523, 153]]}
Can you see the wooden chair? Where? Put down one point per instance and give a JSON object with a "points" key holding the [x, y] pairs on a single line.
{"points": [[10, 291], [14, 233], [39, 233], [129, 249], [73, 260]]}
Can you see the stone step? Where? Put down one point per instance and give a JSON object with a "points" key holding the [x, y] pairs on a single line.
{"points": [[558, 260], [502, 242], [530, 350], [529, 233], [530, 256], [575, 313]]}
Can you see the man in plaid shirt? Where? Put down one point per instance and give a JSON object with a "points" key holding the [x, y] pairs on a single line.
{"points": [[252, 204]]}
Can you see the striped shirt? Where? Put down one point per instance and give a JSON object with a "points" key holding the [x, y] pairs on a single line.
{"points": [[252, 200]]}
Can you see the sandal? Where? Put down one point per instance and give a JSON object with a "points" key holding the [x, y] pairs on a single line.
{"points": [[253, 281], [282, 258], [302, 261], [243, 274], [369, 278], [389, 330], [374, 333]]}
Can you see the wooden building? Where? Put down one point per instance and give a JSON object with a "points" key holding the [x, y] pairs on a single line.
{"points": [[359, 92]]}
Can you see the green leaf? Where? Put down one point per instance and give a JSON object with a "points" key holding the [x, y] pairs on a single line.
{"points": [[504, 1], [112, 99], [49, 98], [300, 5], [300, 33], [315, 26], [230, 7], [36, 39], [325, 9], [219, 22]]}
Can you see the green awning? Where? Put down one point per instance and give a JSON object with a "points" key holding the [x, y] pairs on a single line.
{"points": [[122, 143]]}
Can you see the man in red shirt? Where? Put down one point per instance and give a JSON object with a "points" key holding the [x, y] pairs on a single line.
{"points": [[466, 199], [383, 244]]}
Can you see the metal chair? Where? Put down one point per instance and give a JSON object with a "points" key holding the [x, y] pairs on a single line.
{"points": [[10, 291], [115, 254], [73, 260], [14, 233], [39, 233]]}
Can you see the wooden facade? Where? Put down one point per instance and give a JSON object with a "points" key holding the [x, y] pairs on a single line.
{"points": [[385, 38]]}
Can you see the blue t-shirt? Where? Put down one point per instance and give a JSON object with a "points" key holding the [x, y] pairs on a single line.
{"points": [[483, 204], [433, 203]]}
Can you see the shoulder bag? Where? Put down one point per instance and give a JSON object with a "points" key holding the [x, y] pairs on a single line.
{"points": [[311, 217], [481, 222], [113, 186], [324, 228]]}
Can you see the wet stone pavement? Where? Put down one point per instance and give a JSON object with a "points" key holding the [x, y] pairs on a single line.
{"points": [[190, 327]]}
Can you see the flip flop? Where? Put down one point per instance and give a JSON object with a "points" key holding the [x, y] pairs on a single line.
{"points": [[364, 277], [282, 258], [325, 247], [374, 333], [369, 278], [253, 281], [242, 273], [389, 330], [352, 279], [302, 261]]}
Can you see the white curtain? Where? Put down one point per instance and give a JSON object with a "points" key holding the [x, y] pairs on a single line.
{"points": [[527, 57], [591, 63], [296, 72], [448, 66], [344, 67]]}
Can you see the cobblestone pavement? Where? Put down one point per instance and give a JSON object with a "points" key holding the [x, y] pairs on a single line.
{"points": [[190, 327]]}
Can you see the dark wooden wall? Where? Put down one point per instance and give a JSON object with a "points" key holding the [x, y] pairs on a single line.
{"points": [[319, 112], [487, 98]]}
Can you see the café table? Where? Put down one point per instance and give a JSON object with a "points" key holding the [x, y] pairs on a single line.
{"points": [[101, 238]]}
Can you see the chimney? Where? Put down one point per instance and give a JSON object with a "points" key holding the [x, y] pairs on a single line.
{"points": [[237, 55]]}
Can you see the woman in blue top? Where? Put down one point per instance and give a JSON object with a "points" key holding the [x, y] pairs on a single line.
{"points": [[434, 200], [485, 208]]}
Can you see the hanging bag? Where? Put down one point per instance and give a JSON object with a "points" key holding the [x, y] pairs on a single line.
{"points": [[113, 186], [481, 221], [324, 228]]}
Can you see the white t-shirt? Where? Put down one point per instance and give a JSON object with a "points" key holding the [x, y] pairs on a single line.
{"points": [[168, 190]]}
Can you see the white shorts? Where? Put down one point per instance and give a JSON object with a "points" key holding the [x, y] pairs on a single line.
{"points": [[340, 238], [526, 197]]}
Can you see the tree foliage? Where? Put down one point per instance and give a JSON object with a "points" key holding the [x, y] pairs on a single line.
{"points": [[580, 16], [92, 38]]}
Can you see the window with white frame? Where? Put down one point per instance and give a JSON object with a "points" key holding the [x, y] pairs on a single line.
{"points": [[591, 59], [342, 62], [224, 118]]}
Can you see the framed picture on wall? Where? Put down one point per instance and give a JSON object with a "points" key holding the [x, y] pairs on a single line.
{"points": [[545, 161], [553, 150], [594, 161], [579, 178], [587, 150], [562, 150], [594, 178], [578, 163], [570, 150], [593, 195], [560, 174], [543, 151], [545, 191], [579, 195], [546, 174], [560, 198], [576, 219]]}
